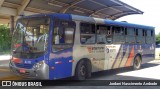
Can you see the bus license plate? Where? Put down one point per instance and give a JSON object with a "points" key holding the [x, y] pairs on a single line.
{"points": [[22, 70]]}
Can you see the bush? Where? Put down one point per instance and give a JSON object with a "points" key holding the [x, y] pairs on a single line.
{"points": [[5, 39]]}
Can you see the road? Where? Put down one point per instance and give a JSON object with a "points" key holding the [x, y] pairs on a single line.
{"points": [[149, 71]]}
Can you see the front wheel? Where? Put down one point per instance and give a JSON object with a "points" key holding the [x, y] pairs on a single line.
{"points": [[137, 62], [83, 70]]}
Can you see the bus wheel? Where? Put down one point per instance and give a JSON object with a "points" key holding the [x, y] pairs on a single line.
{"points": [[81, 72], [137, 62]]}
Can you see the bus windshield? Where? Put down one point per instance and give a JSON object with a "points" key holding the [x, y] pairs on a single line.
{"points": [[30, 37]]}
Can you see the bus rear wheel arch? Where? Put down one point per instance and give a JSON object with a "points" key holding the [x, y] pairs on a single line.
{"points": [[137, 62], [83, 69]]}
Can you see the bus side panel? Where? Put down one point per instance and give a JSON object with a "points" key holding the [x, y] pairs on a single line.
{"points": [[131, 54], [126, 53], [118, 55], [123, 55], [148, 52], [60, 64], [111, 55]]}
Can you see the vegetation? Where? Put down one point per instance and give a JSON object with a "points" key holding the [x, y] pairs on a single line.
{"points": [[5, 39], [158, 39]]}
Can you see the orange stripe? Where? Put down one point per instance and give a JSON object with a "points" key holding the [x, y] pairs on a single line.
{"points": [[130, 57]]}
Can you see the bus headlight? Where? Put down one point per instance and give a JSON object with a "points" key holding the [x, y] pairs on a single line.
{"points": [[38, 65]]}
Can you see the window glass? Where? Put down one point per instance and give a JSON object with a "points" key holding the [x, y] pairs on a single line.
{"points": [[149, 37], [119, 35], [148, 32], [143, 33], [87, 35], [104, 34], [131, 31], [140, 32], [151, 32], [137, 32], [130, 37], [30, 38], [140, 38], [63, 34]]}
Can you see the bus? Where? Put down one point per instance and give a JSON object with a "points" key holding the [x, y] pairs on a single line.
{"points": [[56, 46]]}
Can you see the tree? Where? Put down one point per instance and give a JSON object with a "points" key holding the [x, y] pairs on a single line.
{"points": [[158, 39], [5, 39]]}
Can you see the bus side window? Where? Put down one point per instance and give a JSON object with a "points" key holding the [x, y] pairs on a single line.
{"points": [[109, 34], [119, 34], [103, 34], [140, 38], [136, 32], [87, 33], [149, 38], [152, 35], [130, 37]]}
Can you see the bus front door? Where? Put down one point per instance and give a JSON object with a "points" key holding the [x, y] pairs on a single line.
{"points": [[61, 64]]}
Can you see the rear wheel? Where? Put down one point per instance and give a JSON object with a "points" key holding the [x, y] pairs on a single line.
{"points": [[137, 62], [83, 70]]}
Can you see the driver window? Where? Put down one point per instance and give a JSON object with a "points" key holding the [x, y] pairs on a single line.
{"points": [[63, 35]]}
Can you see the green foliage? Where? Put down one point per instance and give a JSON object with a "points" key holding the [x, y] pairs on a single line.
{"points": [[5, 39], [158, 39]]}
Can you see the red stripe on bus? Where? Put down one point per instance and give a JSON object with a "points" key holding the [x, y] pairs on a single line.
{"points": [[130, 58]]}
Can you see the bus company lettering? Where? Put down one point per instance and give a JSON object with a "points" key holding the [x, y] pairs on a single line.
{"points": [[95, 49], [111, 46], [89, 49]]}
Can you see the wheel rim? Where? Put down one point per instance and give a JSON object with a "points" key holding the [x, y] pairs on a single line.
{"points": [[82, 70]]}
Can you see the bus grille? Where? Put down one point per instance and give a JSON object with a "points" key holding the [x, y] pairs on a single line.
{"points": [[27, 66]]}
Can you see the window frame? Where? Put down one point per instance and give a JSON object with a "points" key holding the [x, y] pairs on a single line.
{"points": [[74, 27], [91, 23], [122, 28], [106, 34]]}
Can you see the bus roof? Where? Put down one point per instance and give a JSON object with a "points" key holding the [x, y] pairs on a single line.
{"points": [[91, 19], [126, 24]]}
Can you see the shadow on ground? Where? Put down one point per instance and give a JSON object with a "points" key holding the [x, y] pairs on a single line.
{"points": [[120, 70]]}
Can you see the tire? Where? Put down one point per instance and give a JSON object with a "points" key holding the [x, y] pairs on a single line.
{"points": [[89, 70], [137, 62], [83, 70]]}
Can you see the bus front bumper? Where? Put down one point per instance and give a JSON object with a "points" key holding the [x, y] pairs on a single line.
{"points": [[41, 73]]}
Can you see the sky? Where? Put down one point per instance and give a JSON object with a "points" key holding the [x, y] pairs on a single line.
{"points": [[150, 17]]}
